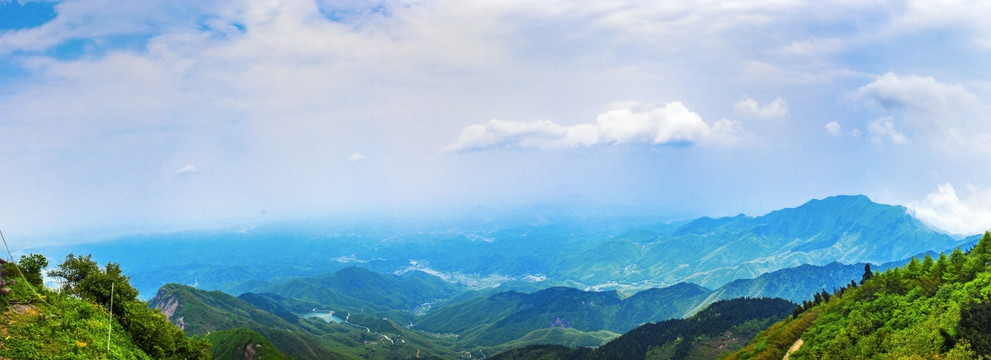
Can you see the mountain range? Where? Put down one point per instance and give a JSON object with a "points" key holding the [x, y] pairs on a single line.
{"points": [[595, 253], [712, 252], [449, 291]]}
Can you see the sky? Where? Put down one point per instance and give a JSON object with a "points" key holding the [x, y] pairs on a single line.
{"points": [[123, 116]]}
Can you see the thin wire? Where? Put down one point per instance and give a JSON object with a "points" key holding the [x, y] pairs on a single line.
{"points": [[110, 321], [19, 270]]}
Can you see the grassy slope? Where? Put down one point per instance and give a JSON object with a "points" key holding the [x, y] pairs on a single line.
{"points": [[60, 327]]}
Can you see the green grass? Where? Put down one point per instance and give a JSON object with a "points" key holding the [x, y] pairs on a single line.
{"points": [[60, 327]]}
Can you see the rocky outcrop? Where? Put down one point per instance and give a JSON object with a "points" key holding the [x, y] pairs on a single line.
{"points": [[170, 306]]}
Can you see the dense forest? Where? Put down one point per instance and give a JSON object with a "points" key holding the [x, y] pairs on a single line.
{"points": [[720, 328], [937, 308]]}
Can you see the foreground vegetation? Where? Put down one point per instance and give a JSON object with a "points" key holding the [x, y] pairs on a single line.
{"points": [[95, 315], [930, 308]]}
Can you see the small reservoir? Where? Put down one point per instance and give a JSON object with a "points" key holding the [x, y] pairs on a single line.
{"points": [[325, 316]]}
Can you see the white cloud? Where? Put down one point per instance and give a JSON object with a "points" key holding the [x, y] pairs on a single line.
{"points": [[188, 169], [967, 15], [626, 123], [357, 157], [261, 90], [884, 129], [749, 107], [834, 128], [894, 92], [948, 116], [945, 210]]}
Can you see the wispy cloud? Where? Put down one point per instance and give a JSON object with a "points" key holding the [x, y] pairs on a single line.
{"points": [[188, 169], [775, 109], [625, 123], [947, 116], [917, 93], [834, 128], [357, 157], [884, 130]]}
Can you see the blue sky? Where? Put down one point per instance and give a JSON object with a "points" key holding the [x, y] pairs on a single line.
{"points": [[120, 116]]}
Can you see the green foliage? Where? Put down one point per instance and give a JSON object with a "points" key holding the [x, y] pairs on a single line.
{"points": [[157, 336], [544, 352], [680, 338], [357, 290], [975, 326], [65, 326], [241, 344], [86, 287], [867, 274], [83, 277], [492, 320], [571, 338], [73, 270], [367, 337], [926, 309], [31, 265]]}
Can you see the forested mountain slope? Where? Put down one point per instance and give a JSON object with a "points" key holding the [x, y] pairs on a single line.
{"points": [[930, 308], [718, 329], [496, 319], [201, 312], [712, 252]]}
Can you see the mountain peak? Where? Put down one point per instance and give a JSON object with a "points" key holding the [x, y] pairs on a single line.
{"points": [[841, 200]]}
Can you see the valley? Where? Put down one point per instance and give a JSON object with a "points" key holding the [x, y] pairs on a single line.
{"points": [[507, 180], [527, 283]]}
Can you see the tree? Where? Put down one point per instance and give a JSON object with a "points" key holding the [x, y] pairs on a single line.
{"points": [[913, 269], [982, 251], [940, 266], [975, 326], [31, 265], [85, 279], [73, 270], [927, 264], [150, 329], [867, 274], [957, 267]]}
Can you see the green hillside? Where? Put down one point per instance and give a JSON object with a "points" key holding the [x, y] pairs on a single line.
{"points": [[75, 323], [719, 329], [571, 338], [360, 290], [500, 318], [201, 312], [930, 308], [363, 336], [242, 344]]}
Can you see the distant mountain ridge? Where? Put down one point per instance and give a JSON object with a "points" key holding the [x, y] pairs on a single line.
{"points": [[712, 252], [598, 253]]}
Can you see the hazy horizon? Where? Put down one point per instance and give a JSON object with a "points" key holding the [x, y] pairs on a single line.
{"points": [[142, 116]]}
